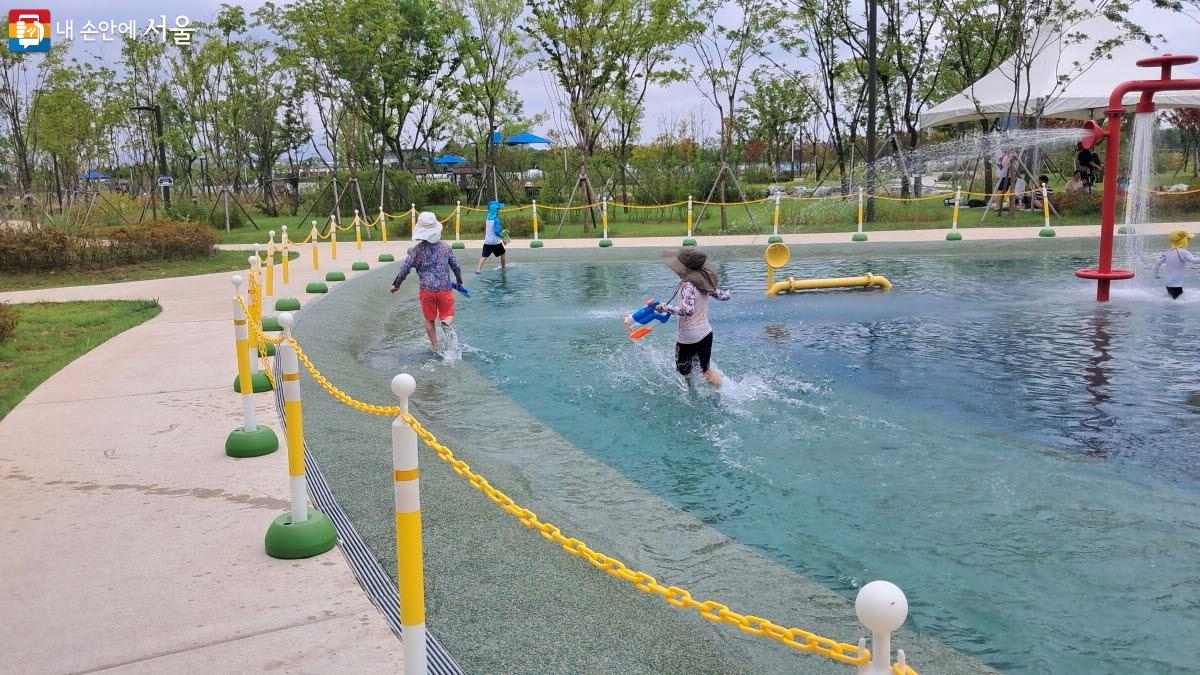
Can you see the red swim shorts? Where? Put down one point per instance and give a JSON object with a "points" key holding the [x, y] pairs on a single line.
{"points": [[437, 304]]}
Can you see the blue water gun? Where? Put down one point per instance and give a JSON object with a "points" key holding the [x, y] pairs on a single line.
{"points": [[642, 318], [461, 289]]}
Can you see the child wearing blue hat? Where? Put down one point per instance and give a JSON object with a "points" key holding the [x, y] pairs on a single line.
{"points": [[494, 237]]}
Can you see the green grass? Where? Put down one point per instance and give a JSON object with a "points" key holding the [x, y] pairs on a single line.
{"points": [[52, 334], [221, 261]]}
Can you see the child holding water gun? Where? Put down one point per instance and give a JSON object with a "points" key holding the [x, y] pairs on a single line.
{"points": [[694, 335], [494, 237], [434, 260], [1176, 259]]}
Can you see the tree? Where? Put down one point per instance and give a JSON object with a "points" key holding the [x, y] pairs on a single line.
{"points": [[580, 45], [15, 102], [775, 112], [494, 52], [723, 55]]}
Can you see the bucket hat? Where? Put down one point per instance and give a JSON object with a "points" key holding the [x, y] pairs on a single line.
{"points": [[428, 228], [691, 264]]}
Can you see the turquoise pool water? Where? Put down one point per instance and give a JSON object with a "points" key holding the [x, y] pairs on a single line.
{"points": [[1019, 459]]}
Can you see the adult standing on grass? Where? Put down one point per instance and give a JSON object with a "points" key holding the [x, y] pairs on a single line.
{"points": [[434, 260], [494, 237]]}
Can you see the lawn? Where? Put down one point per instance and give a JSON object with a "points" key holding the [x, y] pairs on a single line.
{"points": [[221, 261], [52, 334]]}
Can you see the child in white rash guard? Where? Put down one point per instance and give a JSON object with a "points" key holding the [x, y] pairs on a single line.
{"points": [[1176, 260], [694, 334]]}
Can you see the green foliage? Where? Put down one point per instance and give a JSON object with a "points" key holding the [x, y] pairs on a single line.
{"points": [[47, 248], [9, 318]]}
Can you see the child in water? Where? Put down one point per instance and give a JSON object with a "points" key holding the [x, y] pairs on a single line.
{"points": [[494, 237], [694, 335], [434, 260], [1176, 259]]}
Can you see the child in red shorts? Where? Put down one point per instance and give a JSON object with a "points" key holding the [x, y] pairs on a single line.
{"points": [[434, 260]]}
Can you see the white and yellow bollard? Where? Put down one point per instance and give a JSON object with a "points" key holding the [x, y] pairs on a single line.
{"points": [[301, 532], [859, 235], [1046, 230], [690, 240], [382, 225], [458, 226], [283, 245], [775, 238], [270, 270], [332, 238], [357, 231], [605, 242], [412, 218], [410, 566], [316, 239], [954, 234], [251, 439], [536, 243], [881, 608]]}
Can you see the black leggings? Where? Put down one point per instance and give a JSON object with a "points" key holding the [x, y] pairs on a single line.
{"points": [[1175, 291], [685, 353]]}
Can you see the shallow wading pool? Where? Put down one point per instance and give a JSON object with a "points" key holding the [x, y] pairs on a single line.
{"points": [[1019, 459]]}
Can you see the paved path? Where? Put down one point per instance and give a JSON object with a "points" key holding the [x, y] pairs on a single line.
{"points": [[132, 543]]}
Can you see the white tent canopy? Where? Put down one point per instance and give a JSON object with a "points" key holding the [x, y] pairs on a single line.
{"points": [[1063, 74]]}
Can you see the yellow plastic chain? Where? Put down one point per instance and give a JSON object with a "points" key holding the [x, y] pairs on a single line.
{"points": [[796, 638]]}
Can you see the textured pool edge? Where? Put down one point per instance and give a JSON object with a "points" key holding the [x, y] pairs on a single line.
{"points": [[780, 593], [378, 586]]}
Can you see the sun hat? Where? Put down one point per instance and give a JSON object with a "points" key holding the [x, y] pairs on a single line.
{"points": [[1179, 238], [428, 228], [691, 264]]}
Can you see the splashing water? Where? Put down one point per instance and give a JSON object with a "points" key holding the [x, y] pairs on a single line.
{"points": [[1137, 199], [953, 155]]}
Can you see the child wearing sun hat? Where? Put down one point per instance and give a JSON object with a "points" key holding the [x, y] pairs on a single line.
{"points": [[434, 261], [1176, 260], [694, 334]]}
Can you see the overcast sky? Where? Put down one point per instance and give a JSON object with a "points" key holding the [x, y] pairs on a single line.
{"points": [[677, 101]]}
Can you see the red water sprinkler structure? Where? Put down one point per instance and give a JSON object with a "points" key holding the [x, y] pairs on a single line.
{"points": [[1104, 274]]}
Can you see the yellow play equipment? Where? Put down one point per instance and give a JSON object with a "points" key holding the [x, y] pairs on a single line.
{"points": [[777, 256]]}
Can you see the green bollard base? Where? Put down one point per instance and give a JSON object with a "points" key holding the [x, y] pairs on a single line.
{"points": [[287, 305], [859, 236], [290, 541], [387, 257], [242, 443], [259, 382], [316, 287], [689, 242], [335, 276], [1126, 229], [270, 324], [266, 349], [605, 243], [774, 239], [953, 235], [360, 266], [1046, 232], [458, 245], [536, 243]]}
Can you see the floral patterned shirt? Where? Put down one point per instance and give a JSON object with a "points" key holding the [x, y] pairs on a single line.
{"points": [[433, 263]]}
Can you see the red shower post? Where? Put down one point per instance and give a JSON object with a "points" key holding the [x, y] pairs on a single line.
{"points": [[1104, 274]]}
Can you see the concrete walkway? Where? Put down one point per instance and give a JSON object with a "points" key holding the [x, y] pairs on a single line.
{"points": [[133, 543]]}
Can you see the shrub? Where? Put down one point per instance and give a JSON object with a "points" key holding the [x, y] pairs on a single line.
{"points": [[9, 318], [442, 192], [194, 211], [54, 249]]}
